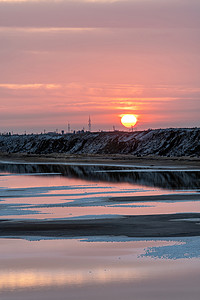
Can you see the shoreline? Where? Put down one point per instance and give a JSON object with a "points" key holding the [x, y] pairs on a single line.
{"points": [[189, 162]]}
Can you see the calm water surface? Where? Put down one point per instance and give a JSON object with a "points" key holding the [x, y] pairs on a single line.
{"points": [[91, 267]]}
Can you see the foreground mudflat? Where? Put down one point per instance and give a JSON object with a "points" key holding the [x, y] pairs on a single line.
{"points": [[177, 225]]}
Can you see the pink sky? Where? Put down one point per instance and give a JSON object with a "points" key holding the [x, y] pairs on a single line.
{"points": [[62, 61]]}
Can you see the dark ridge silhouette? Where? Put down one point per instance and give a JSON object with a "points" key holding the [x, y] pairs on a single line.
{"points": [[174, 142]]}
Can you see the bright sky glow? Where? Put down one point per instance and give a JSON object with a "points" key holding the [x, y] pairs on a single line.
{"points": [[62, 61]]}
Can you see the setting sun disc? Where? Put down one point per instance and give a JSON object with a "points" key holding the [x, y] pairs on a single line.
{"points": [[129, 120]]}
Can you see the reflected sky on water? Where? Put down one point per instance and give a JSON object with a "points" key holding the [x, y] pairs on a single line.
{"points": [[70, 266], [160, 177], [66, 191], [104, 266]]}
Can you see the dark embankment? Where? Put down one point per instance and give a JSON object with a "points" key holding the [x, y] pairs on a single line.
{"points": [[159, 142]]}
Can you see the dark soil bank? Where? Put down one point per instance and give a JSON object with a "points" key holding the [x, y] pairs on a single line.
{"points": [[175, 142]]}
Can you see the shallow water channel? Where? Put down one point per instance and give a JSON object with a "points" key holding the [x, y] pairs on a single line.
{"points": [[96, 266]]}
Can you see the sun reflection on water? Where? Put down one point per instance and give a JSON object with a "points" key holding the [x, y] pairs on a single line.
{"points": [[12, 280]]}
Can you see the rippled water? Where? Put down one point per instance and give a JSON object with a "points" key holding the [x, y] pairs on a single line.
{"points": [[104, 266]]}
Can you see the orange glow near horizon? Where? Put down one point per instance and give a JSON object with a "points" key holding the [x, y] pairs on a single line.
{"points": [[95, 63], [129, 120]]}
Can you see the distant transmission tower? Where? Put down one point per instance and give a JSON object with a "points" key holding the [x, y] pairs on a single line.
{"points": [[89, 124], [68, 127]]}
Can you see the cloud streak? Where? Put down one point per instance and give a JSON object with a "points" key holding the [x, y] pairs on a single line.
{"points": [[98, 14], [37, 107], [34, 86]]}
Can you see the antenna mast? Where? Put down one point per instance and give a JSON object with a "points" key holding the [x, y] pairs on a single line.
{"points": [[68, 127], [89, 124]]}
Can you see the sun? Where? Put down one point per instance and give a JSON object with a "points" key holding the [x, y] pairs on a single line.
{"points": [[128, 120]]}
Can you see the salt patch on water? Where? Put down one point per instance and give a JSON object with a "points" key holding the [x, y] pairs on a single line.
{"points": [[182, 248], [147, 170], [187, 220], [154, 248], [118, 165]]}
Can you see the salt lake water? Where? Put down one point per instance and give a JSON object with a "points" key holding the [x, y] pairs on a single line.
{"points": [[96, 267]]}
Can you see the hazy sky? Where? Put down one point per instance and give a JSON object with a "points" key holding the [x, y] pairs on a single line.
{"points": [[63, 60]]}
